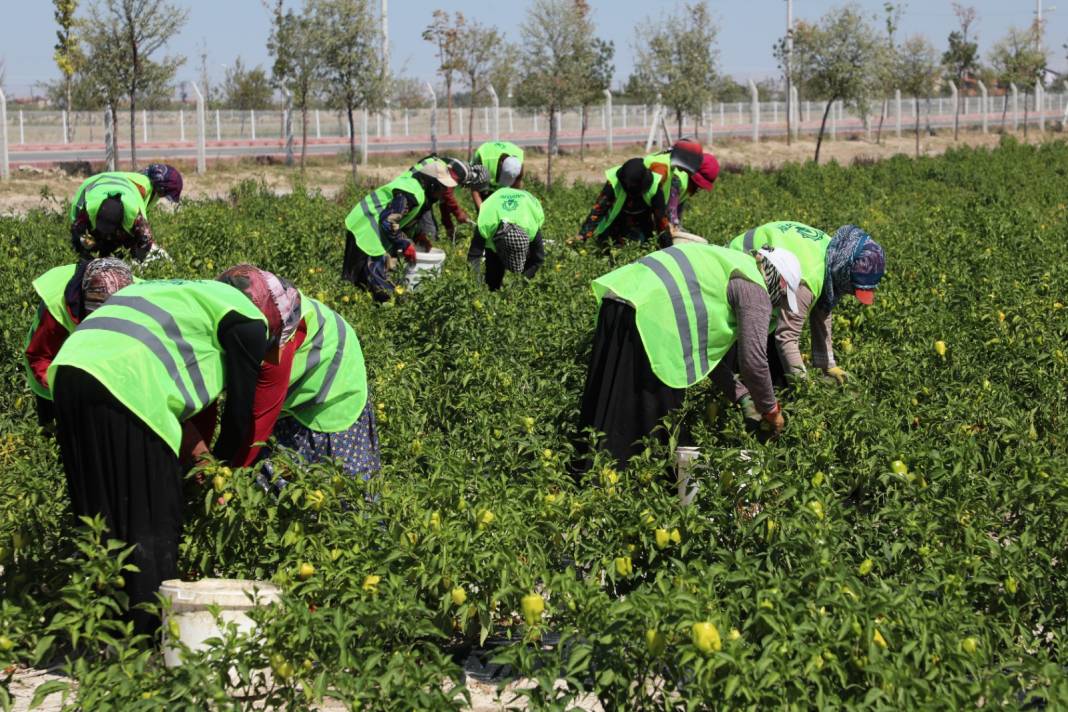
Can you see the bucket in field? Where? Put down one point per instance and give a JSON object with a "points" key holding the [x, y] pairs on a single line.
{"points": [[687, 238], [426, 264], [685, 467], [195, 623]]}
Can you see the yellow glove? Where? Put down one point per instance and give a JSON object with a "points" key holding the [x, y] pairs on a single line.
{"points": [[838, 374]]}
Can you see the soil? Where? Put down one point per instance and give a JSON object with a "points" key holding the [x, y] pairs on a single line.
{"points": [[32, 188]]}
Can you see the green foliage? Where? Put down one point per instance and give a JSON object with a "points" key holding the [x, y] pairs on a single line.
{"points": [[834, 577]]}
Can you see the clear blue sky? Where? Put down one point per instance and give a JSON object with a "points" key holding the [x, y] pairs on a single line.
{"points": [[747, 30]]}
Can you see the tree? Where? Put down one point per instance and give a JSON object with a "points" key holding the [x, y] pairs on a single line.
{"points": [[886, 64], [1017, 59], [475, 47], [917, 73], [134, 31], [246, 89], [297, 63], [442, 33], [68, 51], [677, 60], [593, 81], [554, 34], [837, 58], [351, 67], [961, 59]]}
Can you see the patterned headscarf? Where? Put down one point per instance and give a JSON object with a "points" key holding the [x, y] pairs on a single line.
{"points": [[854, 261], [276, 298], [773, 281], [512, 245], [102, 278]]}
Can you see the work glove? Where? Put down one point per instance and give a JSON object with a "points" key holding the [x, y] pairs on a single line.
{"points": [[836, 375], [772, 422], [156, 253], [409, 254]]}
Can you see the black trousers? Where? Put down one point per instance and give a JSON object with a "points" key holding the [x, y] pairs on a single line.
{"points": [[623, 398], [118, 467], [369, 273]]}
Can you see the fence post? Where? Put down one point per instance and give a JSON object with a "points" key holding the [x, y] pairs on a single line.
{"points": [[387, 120], [110, 159], [607, 114], [405, 122], [181, 124], [287, 123], [5, 170], [956, 99], [653, 123], [708, 119], [496, 112], [363, 138], [1015, 106], [794, 96], [202, 161], [511, 119], [460, 123], [722, 115], [897, 106], [1040, 104], [834, 120], [774, 112], [252, 122], [754, 109], [22, 129], [433, 118], [66, 138], [623, 118], [982, 103], [218, 126]]}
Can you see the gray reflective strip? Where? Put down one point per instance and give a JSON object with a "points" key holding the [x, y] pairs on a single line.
{"points": [[314, 356], [747, 241], [678, 305], [366, 207], [170, 328], [699, 309], [335, 363], [149, 340]]}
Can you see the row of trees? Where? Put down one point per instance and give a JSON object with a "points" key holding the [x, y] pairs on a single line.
{"points": [[844, 57]]}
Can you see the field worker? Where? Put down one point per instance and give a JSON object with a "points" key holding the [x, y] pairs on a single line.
{"points": [[68, 294], [831, 267], [452, 213], [670, 319], [509, 235], [630, 206], [686, 184], [503, 162], [381, 225], [126, 385], [315, 399], [110, 212]]}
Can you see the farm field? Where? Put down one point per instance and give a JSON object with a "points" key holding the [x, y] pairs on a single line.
{"points": [[903, 546]]}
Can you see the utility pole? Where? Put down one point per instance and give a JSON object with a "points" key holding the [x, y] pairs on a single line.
{"points": [[385, 59], [789, 57]]}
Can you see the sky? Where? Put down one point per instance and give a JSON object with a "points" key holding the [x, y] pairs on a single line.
{"points": [[747, 30]]}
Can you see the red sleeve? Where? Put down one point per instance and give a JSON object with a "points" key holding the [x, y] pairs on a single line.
{"points": [[271, 388], [451, 208], [44, 345]]}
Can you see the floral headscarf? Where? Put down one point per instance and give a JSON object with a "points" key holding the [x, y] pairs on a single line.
{"points": [[854, 261], [99, 279], [276, 298]]}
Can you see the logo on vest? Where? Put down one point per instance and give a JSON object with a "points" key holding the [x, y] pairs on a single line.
{"points": [[510, 204]]}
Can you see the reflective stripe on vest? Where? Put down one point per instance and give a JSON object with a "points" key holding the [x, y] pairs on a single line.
{"points": [[621, 198], [682, 319], [807, 243], [362, 220]]}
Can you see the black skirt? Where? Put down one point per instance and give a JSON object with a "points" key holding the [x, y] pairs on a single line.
{"points": [[118, 467], [623, 398]]}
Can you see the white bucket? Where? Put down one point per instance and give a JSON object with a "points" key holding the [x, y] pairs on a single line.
{"points": [[685, 238], [426, 263], [189, 609], [685, 482]]}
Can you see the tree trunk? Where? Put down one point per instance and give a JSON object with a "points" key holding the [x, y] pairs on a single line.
{"points": [[552, 145], [678, 119], [956, 110], [352, 143], [70, 122], [1025, 116], [303, 134], [823, 125], [471, 123], [582, 133], [448, 98], [916, 100], [1004, 111], [882, 118], [133, 133], [927, 118]]}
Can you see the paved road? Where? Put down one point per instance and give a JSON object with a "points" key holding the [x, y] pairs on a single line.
{"points": [[51, 154]]}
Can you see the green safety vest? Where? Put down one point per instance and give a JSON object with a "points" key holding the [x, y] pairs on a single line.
{"points": [[679, 295], [51, 287], [328, 382], [490, 154], [510, 205], [155, 347], [807, 243], [425, 162], [621, 197], [144, 185], [664, 158], [95, 190], [362, 221]]}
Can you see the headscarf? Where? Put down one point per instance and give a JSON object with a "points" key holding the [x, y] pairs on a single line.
{"points": [[854, 261], [166, 181], [635, 177], [275, 297], [512, 246], [773, 281], [100, 278]]}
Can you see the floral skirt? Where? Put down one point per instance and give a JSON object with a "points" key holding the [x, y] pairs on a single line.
{"points": [[355, 449]]}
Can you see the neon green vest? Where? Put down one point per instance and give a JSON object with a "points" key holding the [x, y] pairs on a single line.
{"points": [[328, 383], [362, 221], [510, 205], [51, 287], [683, 177], [148, 193], [424, 162], [679, 295], [155, 347], [490, 154], [621, 197], [95, 190], [807, 243]]}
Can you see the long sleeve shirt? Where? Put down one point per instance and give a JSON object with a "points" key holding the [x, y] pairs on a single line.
{"points": [[44, 345], [244, 345], [752, 312], [87, 244], [788, 334], [390, 218]]}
